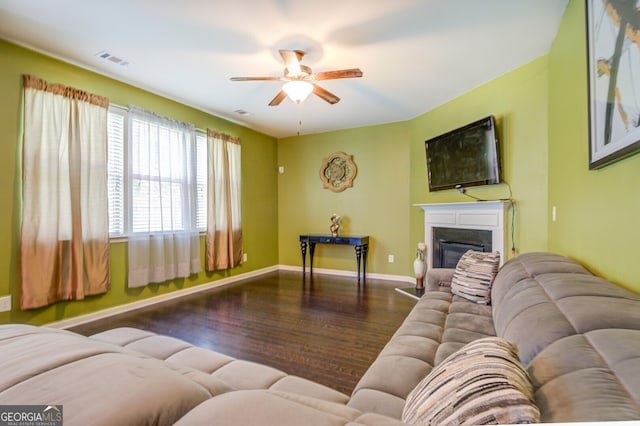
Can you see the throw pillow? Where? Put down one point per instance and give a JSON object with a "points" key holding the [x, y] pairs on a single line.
{"points": [[482, 383], [474, 276]]}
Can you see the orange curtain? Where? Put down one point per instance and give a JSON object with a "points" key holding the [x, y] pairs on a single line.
{"points": [[223, 248], [65, 231]]}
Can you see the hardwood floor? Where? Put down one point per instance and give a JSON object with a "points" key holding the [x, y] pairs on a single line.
{"points": [[328, 330]]}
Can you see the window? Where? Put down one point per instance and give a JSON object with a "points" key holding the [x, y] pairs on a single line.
{"points": [[201, 180], [116, 119], [157, 174]]}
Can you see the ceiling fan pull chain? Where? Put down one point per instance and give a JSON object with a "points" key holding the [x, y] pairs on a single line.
{"points": [[299, 111]]}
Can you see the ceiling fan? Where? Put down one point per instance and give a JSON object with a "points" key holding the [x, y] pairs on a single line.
{"points": [[300, 81]]}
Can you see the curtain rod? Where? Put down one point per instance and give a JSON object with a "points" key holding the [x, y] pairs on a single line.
{"points": [[126, 108]]}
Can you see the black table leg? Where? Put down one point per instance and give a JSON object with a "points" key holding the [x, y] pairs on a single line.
{"points": [[312, 248], [303, 249], [358, 258], [365, 249]]}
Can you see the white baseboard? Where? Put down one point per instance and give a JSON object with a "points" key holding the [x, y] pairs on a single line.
{"points": [[351, 274], [105, 313]]}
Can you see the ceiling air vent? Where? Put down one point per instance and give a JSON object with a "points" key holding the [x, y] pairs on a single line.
{"points": [[112, 58]]}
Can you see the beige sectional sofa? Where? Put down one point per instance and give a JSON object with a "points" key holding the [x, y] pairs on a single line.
{"points": [[578, 337]]}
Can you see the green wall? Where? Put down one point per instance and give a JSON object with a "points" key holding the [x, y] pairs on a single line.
{"points": [[376, 205], [518, 100], [392, 175], [597, 210], [259, 197]]}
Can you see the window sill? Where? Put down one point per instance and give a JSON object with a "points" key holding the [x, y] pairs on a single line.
{"points": [[124, 239]]}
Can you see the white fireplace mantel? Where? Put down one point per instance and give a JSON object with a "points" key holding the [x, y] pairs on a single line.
{"points": [[484, 215]]}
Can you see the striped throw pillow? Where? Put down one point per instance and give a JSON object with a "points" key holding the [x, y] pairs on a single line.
{"points": [[474, 276], [482, 383]]}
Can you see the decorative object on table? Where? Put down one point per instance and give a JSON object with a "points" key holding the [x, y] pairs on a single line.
{"points": [[614, 70], [335, 225], [420, 265], [338, 171]]}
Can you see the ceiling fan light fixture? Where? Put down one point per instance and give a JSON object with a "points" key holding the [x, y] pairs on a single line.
{"points": [[297, 90], [300, 81]]}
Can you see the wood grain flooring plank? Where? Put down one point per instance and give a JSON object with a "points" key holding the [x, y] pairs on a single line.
{"points": [[326, 329]]}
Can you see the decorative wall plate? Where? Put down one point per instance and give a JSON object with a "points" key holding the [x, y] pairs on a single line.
{"points": [[338, 171]]}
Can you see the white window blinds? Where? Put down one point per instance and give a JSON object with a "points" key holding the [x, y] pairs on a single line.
{"points": [[165, 174], [115, 169]]}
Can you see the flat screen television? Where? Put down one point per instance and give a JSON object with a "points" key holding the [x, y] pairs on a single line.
{"points": [[468, 156]]}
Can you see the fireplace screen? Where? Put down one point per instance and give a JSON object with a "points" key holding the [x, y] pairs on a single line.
{"points": [[449, 244]]}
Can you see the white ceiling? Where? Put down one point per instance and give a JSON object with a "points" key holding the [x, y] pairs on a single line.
{"points": [[415, 54]]}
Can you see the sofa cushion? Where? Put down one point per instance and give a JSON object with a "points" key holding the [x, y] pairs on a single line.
{"points": [[539, 298], [405, 359], [172, 350], [437, 326], [528, 266], [306, 387], [466, 322], [222, 369], [268, 407], [474, 275], [377, 401], [482, 383], [97, 383], [589, 377]]}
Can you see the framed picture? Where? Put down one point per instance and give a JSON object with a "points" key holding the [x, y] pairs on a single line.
{"points": [[613, 40]]}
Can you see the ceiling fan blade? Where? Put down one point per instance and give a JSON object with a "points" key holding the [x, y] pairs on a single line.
{"points": [[325, 94], [330, 75], [254, 78], [292, 60], [278, 98]]}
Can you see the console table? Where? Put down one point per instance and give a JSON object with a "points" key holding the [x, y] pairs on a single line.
{"points": [[361, 243]]}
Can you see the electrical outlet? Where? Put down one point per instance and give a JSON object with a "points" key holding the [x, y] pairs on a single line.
{"points": [[244, 257], [5, 303], [392, 258]]}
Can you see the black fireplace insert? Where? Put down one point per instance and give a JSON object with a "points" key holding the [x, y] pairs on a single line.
{"points": [[449, 244]]}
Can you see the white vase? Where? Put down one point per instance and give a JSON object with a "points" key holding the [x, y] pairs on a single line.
{"points": [[419, 268]]}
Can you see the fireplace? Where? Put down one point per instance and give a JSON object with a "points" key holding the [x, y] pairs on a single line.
{"points": [[487, 216], [449, 244]]}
